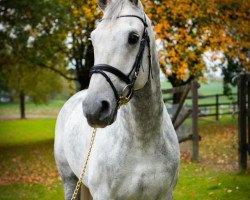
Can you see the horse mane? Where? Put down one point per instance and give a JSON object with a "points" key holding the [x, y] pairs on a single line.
{"points": [[114, 9]]}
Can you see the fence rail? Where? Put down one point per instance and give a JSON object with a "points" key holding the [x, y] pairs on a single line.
{"points": [[216, 106]]}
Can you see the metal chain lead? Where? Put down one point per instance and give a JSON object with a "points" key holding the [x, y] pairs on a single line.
{"points": [[78, 185]]}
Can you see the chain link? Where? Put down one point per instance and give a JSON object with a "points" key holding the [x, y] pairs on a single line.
{"points": [[79, 182]]}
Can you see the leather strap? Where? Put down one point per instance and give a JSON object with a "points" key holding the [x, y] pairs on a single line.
{"points": [[135, 16], [113, 70], [109, 81]]}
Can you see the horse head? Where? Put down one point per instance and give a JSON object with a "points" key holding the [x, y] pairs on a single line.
{"points": [[122, 60]]}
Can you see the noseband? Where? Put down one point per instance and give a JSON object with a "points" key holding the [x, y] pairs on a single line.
{"points": [[133, 74]]}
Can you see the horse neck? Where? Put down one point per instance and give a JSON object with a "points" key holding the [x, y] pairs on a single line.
{"points": [[143, 115]]}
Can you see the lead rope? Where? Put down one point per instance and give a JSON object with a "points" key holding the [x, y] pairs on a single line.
{"points": [[78, 184]]}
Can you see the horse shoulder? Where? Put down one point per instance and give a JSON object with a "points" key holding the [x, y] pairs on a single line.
{"points": [[62, 119]]}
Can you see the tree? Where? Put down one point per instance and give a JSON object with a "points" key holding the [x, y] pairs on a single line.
{"points": [[82, 19], [234, 18], [235, 15], [230, 72], [36, 83], [189, 28], [27, 37]]}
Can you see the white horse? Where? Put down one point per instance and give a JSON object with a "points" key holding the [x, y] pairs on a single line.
{"points": [[136, 153]]}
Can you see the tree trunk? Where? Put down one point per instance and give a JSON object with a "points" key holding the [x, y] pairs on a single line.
{"points": [[22, 105], [82, 75], [176, 83], [177, 97]]}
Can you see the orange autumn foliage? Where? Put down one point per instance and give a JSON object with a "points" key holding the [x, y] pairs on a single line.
{"points": [[84, 14], [189, 28]]}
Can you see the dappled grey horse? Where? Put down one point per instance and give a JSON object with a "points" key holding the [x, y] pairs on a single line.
{"points": [[136, 151]]}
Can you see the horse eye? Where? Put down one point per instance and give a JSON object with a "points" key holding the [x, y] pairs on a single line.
{"points": [[133, 38]]}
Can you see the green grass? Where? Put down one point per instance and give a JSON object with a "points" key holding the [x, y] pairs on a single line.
{"points": [[27, 150], [20, 132], [198, 183], [26, 156], [194, 183], [31, 192]]}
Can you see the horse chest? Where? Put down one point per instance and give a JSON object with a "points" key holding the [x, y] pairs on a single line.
{"points": [[134, 176]]}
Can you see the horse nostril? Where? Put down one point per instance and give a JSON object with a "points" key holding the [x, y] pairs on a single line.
{"points": [[98, 112], [105, 107]]}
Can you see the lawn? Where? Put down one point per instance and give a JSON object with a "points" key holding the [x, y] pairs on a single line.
{"points": [[194, 183], [28, 172], [199, 183], [21, 132], [31, 192]]}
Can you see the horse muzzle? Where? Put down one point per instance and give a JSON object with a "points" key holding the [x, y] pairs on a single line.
{"points": [[99, 113]]}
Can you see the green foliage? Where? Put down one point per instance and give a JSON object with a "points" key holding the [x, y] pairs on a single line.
{"points": [[36, 82], [31, 37], [230, 73]]}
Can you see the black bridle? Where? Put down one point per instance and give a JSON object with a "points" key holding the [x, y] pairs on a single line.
{"points": [[128, 79]]}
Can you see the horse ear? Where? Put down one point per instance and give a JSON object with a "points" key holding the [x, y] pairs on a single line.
{"points": [[102, 4], [135, 2]]}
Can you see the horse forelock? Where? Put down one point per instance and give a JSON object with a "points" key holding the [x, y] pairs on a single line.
{"points": [[114, 9]]}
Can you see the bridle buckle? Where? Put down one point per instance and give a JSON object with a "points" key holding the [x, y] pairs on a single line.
{"points": [[123, 100]]}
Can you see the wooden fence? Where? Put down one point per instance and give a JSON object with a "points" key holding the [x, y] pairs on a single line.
{"points": [[197, 106], [192, 111], [216, 105], [239, 104]]}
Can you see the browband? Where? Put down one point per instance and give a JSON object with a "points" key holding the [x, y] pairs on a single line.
{"points": [[142, 20]]}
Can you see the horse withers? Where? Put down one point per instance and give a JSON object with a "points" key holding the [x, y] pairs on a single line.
{"points": [[136, 151]]}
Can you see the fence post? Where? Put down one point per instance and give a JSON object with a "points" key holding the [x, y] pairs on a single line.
{"points": [[195, 111], [242, 122], [217, 107], [248, 113]]}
